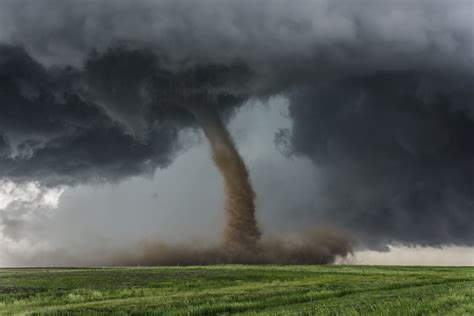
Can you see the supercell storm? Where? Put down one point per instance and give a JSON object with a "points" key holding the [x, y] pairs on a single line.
{"points": [[380, 96]]}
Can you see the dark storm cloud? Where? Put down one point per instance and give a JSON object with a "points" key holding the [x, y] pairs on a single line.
{"points": [[271, 35], [53, 134], [396, 154], [380, 96], [118, 116]]}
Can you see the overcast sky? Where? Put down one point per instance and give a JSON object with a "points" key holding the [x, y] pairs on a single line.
{"points": [[354, 116]]}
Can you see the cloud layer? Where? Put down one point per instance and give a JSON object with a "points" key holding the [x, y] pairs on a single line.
{"points": [[380, 97], [395, 152]]}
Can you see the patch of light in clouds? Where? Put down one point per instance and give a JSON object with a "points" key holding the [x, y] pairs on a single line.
{"points": [[23, 204], [32, 194]]}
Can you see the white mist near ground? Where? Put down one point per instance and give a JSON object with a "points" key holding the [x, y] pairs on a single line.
{"points": [[414, 256]]}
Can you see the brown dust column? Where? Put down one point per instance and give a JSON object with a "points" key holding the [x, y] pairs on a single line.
{"points": [[241, 227]]}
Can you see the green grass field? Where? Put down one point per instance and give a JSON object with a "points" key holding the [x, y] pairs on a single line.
{"points": [[250, 290]]}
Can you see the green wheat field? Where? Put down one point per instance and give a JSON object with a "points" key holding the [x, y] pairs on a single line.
{"points": [[238, 289]]}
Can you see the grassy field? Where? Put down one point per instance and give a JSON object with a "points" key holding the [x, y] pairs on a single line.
{"points": [[250, 290]]}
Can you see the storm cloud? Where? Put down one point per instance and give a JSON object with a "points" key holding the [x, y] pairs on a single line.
{"points": [[395, 153], [380, 97], [118, 116]]}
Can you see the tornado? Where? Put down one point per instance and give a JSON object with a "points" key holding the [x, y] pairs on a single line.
{"points": [[240, 230]]}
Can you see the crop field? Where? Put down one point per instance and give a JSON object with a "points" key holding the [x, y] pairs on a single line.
{"points": [[238, 289]]}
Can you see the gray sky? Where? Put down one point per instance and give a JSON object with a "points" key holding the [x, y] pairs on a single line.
{"points": [[352, 115]]}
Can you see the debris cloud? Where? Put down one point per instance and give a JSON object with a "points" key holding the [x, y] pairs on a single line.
{"points": [[321, 247]]}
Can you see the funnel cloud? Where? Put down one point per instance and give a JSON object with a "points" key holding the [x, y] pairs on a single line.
{"points": [[241, 226]]}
